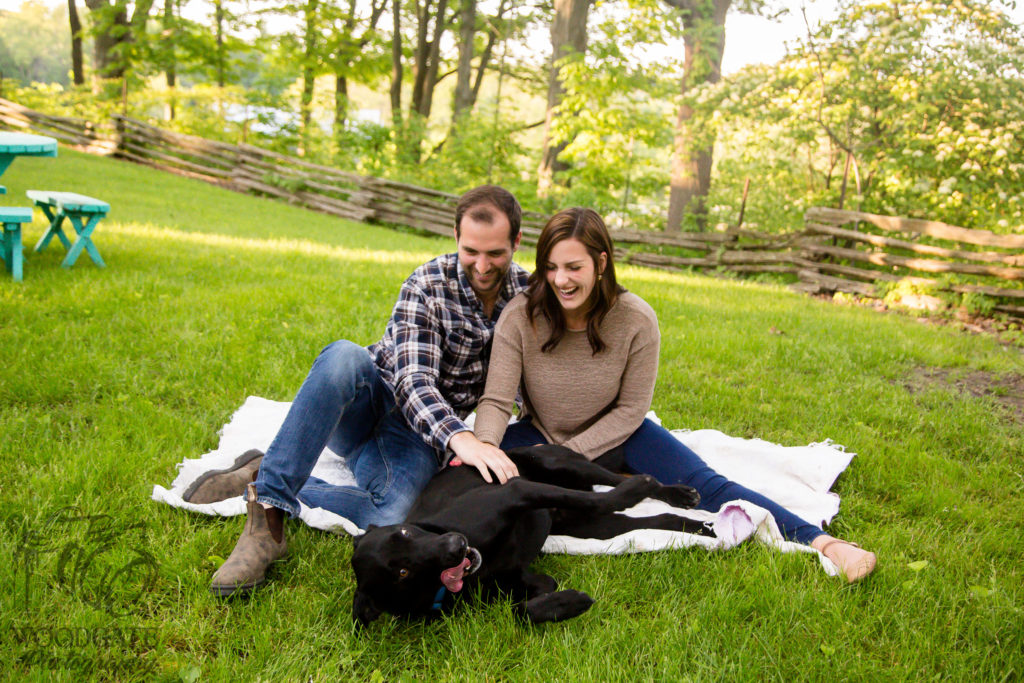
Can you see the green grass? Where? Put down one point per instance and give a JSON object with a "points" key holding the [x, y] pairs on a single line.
{"points": [[110, 377]]}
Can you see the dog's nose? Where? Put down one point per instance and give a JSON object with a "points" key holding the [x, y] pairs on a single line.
{"points": [[455, 543]]}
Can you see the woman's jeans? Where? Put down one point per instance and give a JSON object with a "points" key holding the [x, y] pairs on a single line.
{"points": [[653, 450], [344, 405]]}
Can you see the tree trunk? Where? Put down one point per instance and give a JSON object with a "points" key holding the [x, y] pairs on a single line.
{"points": [[428, 57], [308, 69], [704, 41], [170, 66], [485, 56], [396, 66], [77, 63], [114, 30], [463, 90], [218, 14], [340, 105], [341, 101], [110, 32], [568, 35]]}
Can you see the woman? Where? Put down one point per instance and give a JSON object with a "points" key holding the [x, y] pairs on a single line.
{"points": [[584, 353]]}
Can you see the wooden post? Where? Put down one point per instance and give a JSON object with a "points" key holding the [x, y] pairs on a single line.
{"points": [[743, 204], [124, 96], [846, 175]]}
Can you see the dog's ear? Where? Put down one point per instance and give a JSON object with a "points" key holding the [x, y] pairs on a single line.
{"points": [[356, 539], [363, 609]]}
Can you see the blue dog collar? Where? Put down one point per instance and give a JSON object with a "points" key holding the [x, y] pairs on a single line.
{"points": [[439, 598]]}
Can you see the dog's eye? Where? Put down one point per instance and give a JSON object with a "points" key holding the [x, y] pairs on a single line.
{"points": [[402, 573], [405, 532]]}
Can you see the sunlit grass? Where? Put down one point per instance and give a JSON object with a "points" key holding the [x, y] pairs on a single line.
{"points": [[111, 376]]}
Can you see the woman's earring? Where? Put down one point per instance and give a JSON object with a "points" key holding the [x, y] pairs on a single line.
{"points": [[599, 277]]}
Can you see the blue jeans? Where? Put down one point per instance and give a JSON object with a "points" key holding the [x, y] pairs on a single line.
{"points": [[345, 405], [653, 450]]}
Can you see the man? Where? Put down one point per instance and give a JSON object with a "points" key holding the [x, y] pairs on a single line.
{"points": [[394, 411]]}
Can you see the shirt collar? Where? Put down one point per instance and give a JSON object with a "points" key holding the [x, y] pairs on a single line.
{"points": [[508, 287]]}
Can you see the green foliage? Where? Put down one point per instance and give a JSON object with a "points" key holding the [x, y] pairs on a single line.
{"points": [[480, 149], [928, 98], [925, 99], [617, 111], [23, 32], [978, 304]]}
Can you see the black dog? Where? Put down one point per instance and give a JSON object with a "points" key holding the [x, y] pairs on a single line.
{"points": [[463, 532]]}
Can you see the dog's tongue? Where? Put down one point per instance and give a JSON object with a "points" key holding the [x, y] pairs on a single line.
{"points": [[452, 578]]}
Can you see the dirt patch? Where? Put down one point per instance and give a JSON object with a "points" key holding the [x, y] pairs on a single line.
{"points": [[1008, 390]]}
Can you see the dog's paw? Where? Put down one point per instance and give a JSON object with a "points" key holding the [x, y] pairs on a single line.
{"points": [[557, 606], [636, 488], [678, 496]]}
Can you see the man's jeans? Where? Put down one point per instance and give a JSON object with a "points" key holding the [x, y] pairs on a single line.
{"points": [[343, 404]]}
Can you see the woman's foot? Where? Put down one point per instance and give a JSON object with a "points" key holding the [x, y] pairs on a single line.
{"points": [[853, 562]]}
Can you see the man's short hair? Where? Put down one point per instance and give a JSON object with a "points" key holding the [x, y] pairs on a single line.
{"points": [[480, 203]]}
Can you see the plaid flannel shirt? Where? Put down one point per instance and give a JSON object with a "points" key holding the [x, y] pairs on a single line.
{"points": [[436, 347]]}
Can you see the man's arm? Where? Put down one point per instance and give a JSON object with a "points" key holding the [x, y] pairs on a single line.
{"points": [[418, 335]]}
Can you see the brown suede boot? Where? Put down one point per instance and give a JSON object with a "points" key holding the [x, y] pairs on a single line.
{"points": [[218, 485], [260, 544]]}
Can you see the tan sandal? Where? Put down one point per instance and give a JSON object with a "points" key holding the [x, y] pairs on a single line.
{"points": [[856, 570]]}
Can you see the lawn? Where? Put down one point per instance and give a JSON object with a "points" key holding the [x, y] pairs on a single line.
{"points": [[110, 377]]}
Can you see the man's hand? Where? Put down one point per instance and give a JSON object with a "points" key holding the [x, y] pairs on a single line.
{"points": [[483, 456]]}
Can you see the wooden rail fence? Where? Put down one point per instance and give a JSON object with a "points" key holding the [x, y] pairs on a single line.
{"points": [[834, 251]]}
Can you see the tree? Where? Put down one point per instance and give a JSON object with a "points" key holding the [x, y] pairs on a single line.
{"points": [[432, 22], [925, 100], [704, 45], [568, 41], [310, 41], [34, 45], [616, 138], [356, 51], [77, 62], [115, 30]]}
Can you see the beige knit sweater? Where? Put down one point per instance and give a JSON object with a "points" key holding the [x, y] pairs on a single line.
{"points": [[589, 403]]}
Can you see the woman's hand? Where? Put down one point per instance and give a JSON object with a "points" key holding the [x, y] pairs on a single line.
{"points": [[486, 458]]}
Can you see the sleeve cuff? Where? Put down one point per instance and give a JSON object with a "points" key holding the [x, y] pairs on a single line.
{"points": [[443, 433]]}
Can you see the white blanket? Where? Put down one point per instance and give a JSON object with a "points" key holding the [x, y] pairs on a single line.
{"points": [[798, 478]]}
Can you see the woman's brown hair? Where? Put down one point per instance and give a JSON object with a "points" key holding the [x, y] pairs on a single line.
{"points": [[587, 227]]}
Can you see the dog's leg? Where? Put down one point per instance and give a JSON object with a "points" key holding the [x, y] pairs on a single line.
{"points": [[577, 525], [557, 606], [531, 494], [562, 467], [511, 499], [538, 584]]}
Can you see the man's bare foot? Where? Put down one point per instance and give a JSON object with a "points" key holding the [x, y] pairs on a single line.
{"points": [[853, 562]]}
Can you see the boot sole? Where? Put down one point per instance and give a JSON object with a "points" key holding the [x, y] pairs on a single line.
{"points": [[240, 590], [241, 461]]}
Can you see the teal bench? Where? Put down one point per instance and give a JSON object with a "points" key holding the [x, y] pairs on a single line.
{"points": [[10, 246], [83, 212]]}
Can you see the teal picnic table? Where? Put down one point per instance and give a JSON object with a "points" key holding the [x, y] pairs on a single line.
{"points": [[23, 145], [12, 217]]}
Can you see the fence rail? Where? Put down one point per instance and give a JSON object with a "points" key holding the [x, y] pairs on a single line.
{"points": [[834, 251], [79, 133]]}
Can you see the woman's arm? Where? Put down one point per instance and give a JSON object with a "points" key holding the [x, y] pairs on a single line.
{"points": [[503, 376]]}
